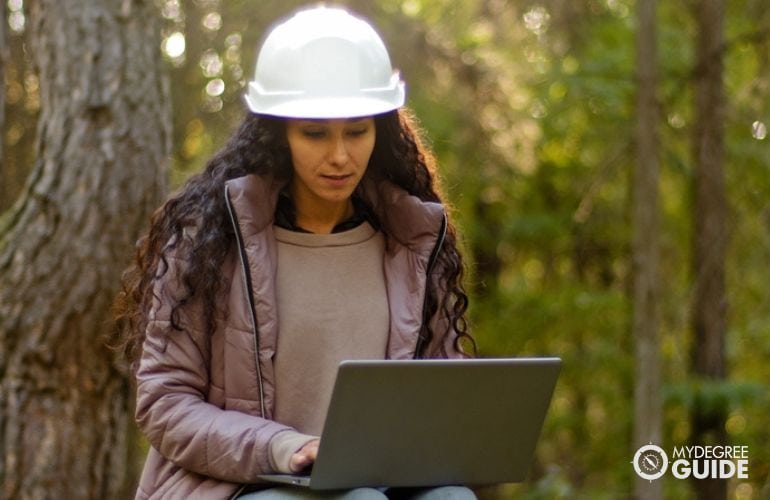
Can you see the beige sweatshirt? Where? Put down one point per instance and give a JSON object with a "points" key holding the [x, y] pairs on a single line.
{"points": [[333, 306]]}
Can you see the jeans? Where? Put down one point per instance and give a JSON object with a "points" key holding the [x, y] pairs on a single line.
{"points": [[292, 493]]}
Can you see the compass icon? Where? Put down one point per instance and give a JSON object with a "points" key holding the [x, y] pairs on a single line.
{"points": [[650, 462]]}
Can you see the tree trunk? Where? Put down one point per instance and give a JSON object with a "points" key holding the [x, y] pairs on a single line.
{"points": [[103, 139], [709, 313], [3, 63], [645, 251]]}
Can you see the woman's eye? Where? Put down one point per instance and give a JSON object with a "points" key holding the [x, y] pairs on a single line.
{"points": [[313, 134], [358, 132]]}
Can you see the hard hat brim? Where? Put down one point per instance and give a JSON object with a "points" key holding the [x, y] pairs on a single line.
{"points": [[327, 107]]}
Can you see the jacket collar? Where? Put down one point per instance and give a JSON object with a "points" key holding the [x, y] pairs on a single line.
{"points": [[412, 222], [254, 199]]}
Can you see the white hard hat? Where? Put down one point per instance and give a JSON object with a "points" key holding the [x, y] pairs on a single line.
{"points": [[324, 63]]}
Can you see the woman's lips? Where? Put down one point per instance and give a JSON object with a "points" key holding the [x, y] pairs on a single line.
{"points": [[337, 179]]}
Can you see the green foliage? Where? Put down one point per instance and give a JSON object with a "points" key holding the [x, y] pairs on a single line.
{"points": [[715, 396]]}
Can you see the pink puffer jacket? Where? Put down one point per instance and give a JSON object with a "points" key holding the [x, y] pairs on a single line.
{"points": [[205, 401]]}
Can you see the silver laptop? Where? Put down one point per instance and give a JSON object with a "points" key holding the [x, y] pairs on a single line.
{"points": [[405, 423]]}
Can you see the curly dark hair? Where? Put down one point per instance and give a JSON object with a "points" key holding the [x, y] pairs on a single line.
{"points": [[259, 147]]}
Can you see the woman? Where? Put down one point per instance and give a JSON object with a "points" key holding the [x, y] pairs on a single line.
{"points": [[315, 235]]}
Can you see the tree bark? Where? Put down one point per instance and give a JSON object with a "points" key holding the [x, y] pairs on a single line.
{"points": [[3, 63], [103, 139], [645, 251], [709, 312]]}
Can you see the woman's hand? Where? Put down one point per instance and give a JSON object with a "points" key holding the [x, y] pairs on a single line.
{"points": [[305, 456]]}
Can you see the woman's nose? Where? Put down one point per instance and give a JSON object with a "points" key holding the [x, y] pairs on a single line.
{"points": [[339, 151]]}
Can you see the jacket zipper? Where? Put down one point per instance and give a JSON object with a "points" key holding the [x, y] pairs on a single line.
{"points": [[237, 492], [249, 296], [431, 263]]}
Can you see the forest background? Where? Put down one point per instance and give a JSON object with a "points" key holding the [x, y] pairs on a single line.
{"points": [[575, 151]]}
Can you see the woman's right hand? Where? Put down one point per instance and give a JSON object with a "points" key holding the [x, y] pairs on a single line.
{"points": [[305, 456]]}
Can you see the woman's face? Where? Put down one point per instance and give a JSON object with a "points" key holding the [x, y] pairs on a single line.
{"points": [[329, 157]]}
